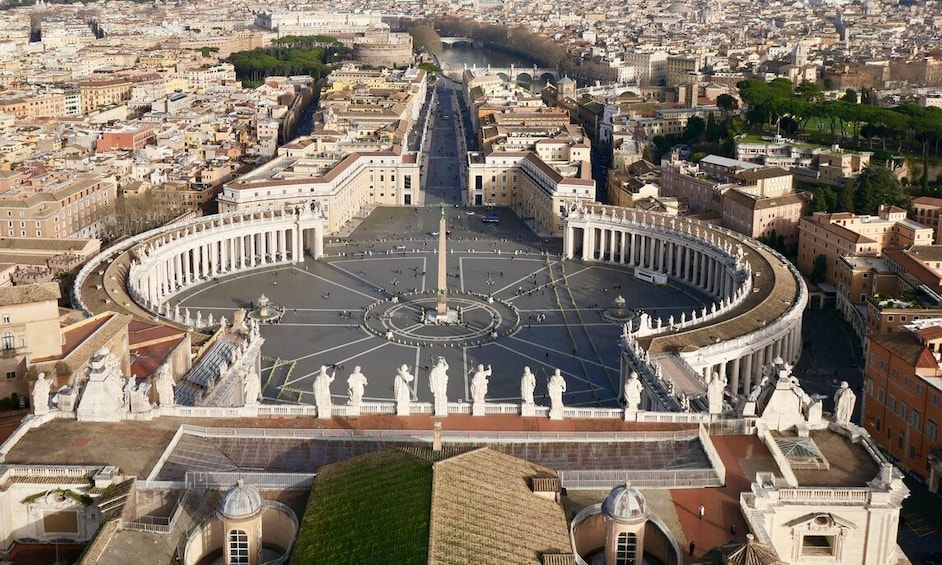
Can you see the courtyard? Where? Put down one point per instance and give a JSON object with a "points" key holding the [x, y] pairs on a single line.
{"points": [[363, 305]]}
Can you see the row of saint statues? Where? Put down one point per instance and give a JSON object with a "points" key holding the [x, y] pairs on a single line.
{"points": [[438, 384]]}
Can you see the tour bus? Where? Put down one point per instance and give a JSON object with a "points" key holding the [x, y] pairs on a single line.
{"points": [[491, 219]]}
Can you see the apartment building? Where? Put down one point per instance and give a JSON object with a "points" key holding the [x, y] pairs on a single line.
{"points": [[765, 216], [97, 93], [57, 205], [850, 245], [928, 212], [125, 138], [29, 327], [902, 404]]}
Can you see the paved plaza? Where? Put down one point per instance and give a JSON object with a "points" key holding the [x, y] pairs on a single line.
{"points": [[557, 304]]}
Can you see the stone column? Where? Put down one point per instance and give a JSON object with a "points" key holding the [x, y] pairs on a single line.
{"points": [[252, 249], [319, 241], [281, 245], [734, 377], [747, 374], [585, 242], [624, 238]]}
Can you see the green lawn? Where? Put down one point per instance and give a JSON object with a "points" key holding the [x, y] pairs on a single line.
{"points": [[369, 509]]}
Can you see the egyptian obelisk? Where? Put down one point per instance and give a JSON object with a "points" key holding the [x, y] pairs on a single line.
{"points": [[442, 308]]}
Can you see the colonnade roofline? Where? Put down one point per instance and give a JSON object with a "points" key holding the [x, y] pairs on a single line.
{"points": [[758, 296], [103, 284], [778, 288]]}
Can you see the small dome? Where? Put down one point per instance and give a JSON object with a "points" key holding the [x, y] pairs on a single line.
{"points": [[240, 501], [625, 504]]}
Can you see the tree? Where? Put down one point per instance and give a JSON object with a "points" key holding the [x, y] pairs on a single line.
{"points": [[819, 269], [695, 129], [875, 186], [850, 95], [727, 103], [809, 92]]}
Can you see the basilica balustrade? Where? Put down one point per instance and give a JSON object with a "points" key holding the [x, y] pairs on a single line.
{"points": [[758, 296]]}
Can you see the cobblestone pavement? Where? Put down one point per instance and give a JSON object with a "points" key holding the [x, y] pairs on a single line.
{"points": [[559, 304]]}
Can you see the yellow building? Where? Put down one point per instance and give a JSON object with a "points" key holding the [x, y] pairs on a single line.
{"points": [[29, 327]]}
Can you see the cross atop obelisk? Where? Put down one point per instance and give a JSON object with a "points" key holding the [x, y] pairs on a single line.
{"points": [[442, 307]]}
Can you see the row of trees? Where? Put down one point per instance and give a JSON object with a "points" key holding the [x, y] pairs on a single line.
{"points": [[776, 104], [253, 66]]}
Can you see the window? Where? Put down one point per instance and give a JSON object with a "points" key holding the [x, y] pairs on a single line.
{"points": [[891, 403], [902, 410], [11, 375], [817, 546], [7, 340], [626, 547], [931, 429], [238, 547], [6, 318], [914, 418]]}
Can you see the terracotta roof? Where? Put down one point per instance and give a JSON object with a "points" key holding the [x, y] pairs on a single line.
{"points": [[39, 292], [928, 201], [905, 345], [484, 511], [751, 553]]}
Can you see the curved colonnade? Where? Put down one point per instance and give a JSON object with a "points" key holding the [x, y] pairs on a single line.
{"points": [[140, 275], [760, 296], [756, 317]]}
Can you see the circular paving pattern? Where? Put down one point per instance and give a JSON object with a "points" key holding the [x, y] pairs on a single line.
{"points": [[409, 319], [548, 313]]}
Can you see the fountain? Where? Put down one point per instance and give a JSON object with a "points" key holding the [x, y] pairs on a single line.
{"points": [[265, 311], [619, 312]]}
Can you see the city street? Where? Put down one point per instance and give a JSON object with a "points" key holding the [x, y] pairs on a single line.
{"points": [[445, 173]]}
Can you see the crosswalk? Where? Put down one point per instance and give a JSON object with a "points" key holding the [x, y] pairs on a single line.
{"points": [[918, 525]]}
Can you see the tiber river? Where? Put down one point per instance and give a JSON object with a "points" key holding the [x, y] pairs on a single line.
{"points": [[461, 55]]}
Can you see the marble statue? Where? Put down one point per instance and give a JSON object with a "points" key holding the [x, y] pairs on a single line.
{"points": [[322, 391], [715, 389], [165, 386], [844, 400], [41, 395], [527, 385], [252, 388], [402, 391], [479, 384], [633, 390], [438, 382], [356, 384], [129, 385], [556, 387]]}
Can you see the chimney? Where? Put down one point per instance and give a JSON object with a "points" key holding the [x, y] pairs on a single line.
{"points": [[437, 437]]}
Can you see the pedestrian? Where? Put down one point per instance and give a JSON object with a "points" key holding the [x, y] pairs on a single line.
{"points": [[702, 511], [693, 546]]}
